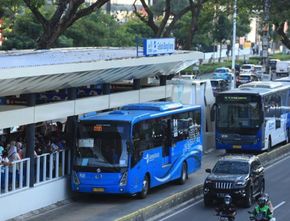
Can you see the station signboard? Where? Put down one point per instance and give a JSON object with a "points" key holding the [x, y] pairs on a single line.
{"points": [[157, 46]]}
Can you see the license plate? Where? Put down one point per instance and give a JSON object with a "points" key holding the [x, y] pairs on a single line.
{"points": [[98, 190], [237, 146]]}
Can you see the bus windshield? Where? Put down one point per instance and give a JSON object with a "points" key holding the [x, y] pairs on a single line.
{"points": [[239, 115], [102, 145]]}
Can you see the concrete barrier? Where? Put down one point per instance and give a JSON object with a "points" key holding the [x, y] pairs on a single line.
{"points": [[174, 200]]}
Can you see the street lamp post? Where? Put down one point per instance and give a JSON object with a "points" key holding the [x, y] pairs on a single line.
{"points": [[265, 37], [234, 41]]}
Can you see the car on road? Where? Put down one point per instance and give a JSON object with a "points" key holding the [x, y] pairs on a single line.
{"points": [[272, 64], [246, 78], [247, 69], [223, 73], [241, 176], [218, 85], [259, 71]]}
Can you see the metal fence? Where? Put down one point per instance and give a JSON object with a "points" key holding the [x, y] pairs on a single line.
{"points": [[48, 167]]}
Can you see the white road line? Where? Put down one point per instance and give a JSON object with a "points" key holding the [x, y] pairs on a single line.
{"points": [[197, 202], [280, 204], [277, 162], [180, 211]]}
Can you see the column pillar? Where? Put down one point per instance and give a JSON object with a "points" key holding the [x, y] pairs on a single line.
{"points": [[30, 140]]}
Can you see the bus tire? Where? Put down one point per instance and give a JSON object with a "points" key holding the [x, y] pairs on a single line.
{"points": [[145, 188], [183, 175], [269, 144], [288, 136]]}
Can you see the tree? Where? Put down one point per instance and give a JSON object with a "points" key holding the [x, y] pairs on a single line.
{"points": [[163, 27], [65, 14], [279, 15], [222, 31]]}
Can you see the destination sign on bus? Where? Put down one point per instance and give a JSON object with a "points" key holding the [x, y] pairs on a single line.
{"points": [[236, 98]]}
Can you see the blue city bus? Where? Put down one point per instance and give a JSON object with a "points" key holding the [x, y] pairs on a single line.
{"points": [[140, 146], [253, 117]]}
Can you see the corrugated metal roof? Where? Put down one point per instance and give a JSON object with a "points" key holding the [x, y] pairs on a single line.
{"points": [[24, 72]]}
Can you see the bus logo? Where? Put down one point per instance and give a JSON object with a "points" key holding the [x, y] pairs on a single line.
{"points": [[98, 170]]}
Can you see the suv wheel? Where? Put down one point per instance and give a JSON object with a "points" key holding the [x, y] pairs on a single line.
{"points": [[207, 201], [262, 188], [249, 197]]}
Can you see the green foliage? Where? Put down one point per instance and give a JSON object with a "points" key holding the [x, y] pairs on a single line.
{"points": [[24, 34], [97, 29], [222, 29], [281, 56], [176, 6]]}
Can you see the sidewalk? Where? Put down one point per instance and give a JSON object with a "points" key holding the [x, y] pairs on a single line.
{"points": [[92, 207]]}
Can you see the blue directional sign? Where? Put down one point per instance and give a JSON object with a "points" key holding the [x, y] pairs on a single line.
{"points": [[156, 46]]}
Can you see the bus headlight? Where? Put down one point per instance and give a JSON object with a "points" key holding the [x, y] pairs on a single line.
{"points": [[123, 181], [75, 178]]}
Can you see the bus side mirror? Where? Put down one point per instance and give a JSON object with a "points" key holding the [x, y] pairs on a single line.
{"points": [[129, 147], [213, 112]]}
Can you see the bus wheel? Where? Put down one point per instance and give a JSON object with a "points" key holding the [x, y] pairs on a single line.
{"points": [[269, 144], [183, 175], [288, 136], [145, 188]]}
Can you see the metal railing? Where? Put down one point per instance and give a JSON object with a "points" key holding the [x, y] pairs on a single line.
{"points": [[51, 166], [15, 177], [48, 167]]}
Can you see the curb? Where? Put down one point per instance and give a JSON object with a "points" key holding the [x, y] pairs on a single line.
{"points": [[163, 205], [174, 200]]}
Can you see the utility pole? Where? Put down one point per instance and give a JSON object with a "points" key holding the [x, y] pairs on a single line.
{"points": [[266, 37], [234, 42]]}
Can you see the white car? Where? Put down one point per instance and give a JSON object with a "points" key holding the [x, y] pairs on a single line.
{"points": [[259, 71], [247, 69]]}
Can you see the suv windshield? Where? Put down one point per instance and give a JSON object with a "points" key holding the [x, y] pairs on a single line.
{"points": [[231, 167]]}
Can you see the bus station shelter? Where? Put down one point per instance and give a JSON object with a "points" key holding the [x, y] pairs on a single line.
{"points": [[29, 73]]}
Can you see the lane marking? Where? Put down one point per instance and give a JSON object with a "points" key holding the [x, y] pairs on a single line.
{"points": [[277, 162], [199, 201], [179, 211], [280, 204]]}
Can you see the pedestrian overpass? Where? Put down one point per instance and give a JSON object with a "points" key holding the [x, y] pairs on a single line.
{"points": [[37, 183]]}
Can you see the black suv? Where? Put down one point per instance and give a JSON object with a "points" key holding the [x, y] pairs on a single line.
{"points": [[241, 176]]}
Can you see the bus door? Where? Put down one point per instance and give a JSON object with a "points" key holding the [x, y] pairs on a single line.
{"points": [[166, 140]]}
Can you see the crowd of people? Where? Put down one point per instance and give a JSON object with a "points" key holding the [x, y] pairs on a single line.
{"points": [[49, 138]]}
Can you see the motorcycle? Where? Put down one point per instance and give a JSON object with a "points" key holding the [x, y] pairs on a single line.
{"points": [[226, 217], [260, 217]]}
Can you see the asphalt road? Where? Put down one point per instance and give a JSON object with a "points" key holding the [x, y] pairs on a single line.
{"points": [[277, 178], [107, 208]]}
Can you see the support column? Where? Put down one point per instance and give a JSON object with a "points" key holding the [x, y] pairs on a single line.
{"points": [[30, 140], [163, 83], [106, 88], [163, 80], [136, 84], [71, 127]]}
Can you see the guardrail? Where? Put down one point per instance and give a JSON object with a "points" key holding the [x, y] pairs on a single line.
{"points": [[15, 177], [49, 166]]}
